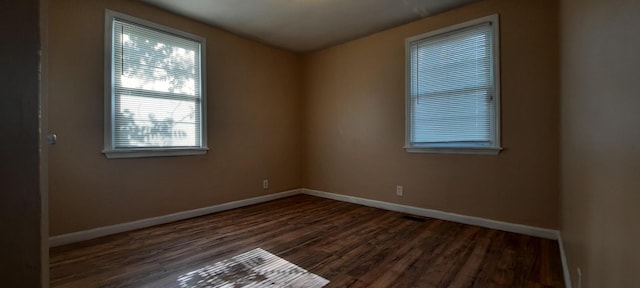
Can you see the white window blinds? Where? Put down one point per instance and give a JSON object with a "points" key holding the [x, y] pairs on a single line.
{"points": [[451, 88], [156, 88]]}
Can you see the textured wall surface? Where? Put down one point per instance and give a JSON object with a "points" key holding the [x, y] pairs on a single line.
{"points": [[253, 105], [601, 141], [355, 122]]}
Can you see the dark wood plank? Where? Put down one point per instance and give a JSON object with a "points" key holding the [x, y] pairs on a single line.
{"points": [[348, 244]]}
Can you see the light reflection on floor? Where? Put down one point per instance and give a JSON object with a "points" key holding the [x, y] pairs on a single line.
{"points": [[256, 268]]}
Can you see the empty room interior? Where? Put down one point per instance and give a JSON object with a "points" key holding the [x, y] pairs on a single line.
{"points": [[325, 143]]}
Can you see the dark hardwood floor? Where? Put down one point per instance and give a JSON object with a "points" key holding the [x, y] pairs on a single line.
{"points": [[347, 244]]}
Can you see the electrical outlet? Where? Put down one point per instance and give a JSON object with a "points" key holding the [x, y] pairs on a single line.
{"points": [[399, 191], [579, 285], [265, 184]]}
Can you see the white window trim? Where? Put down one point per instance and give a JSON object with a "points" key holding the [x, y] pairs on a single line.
{"points": [[456, 148], [109, 151]]}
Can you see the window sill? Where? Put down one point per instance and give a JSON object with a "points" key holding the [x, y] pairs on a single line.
{"points": [[162, 152], [454, 150]]}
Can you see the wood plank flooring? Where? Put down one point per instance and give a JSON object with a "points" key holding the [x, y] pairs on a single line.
{"points": [[347, 244]]}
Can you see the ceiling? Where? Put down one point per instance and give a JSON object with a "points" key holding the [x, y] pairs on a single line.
{"points": [[306, 25]]}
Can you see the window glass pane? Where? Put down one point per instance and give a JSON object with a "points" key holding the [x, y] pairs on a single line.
{"points": [[461, 63], [152, 122], [452, 118], [152, 61]]}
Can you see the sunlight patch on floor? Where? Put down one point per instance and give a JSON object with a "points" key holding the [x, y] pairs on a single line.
{"points": [[256, 268]]}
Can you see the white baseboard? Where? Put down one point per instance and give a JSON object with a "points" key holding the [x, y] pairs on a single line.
{"points": [[471, 220], [477, 221], [565, 263], [143, 223]]}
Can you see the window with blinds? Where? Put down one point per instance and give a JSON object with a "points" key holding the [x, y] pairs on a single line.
{"points": [[453, 90], [155, 91]]}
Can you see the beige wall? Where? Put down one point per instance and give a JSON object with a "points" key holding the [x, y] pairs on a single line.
{"points": [[20, 211], [355, 122], [601, 140], [253, 125], [331, 120]]}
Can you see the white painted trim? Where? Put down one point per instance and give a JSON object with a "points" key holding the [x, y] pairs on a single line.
{"points": [[464, 219], [110, 151], [477, 221], [453, 148], [143, 223], [565, 263], [482, 222]]}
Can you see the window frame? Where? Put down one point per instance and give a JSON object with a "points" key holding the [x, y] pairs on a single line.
{"points": [[456, 147], [109, 106]]}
